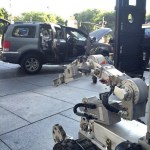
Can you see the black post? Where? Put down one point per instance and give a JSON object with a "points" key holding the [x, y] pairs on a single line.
{"points": [[129, 35]]}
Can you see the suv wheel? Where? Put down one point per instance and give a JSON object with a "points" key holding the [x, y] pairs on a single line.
{"points": [[31, 64]]}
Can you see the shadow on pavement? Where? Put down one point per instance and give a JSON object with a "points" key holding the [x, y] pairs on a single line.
{"points": [[11, 71]]}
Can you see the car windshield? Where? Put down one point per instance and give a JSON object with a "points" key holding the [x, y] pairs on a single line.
{"points": [[78, 35]]}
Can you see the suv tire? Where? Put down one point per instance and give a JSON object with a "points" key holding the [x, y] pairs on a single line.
{"points": [[31, 64]]}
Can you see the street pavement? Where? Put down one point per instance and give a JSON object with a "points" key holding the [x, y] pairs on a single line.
{"points": [[30, 105]]}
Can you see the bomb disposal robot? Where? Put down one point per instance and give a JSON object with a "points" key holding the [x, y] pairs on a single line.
{"points": [[106, 124]]}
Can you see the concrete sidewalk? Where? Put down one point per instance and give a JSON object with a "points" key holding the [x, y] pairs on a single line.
{"points": [[31, 105]]}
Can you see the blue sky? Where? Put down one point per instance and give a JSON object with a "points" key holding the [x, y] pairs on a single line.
{"points": [[63, 8]]}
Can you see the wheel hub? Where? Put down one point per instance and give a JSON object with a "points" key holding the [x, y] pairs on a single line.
{"points": [[32, 64]]}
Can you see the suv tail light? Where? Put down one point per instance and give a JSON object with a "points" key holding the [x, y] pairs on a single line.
{"points": [[6, 46]]}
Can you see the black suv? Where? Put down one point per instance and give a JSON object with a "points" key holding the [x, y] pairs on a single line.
{"points": [[33, 44]]}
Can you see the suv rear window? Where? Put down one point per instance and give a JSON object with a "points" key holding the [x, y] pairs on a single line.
{"points": [[24, 31]]}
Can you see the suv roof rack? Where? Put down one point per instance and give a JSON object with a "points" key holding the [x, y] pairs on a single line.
{"points": [[26, 22]]}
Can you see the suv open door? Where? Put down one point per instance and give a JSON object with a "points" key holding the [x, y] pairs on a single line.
{"points": [[3, 27]]}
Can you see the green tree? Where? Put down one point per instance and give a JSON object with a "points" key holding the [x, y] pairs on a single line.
{"points": [[87, 15], [3, 13], [92, 19], [110, 19], [39, 17], [18, 18], [107, 17], [86, 19], [60, 20], [148, 18]]}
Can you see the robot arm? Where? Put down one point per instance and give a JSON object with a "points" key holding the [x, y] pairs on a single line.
{"points": [[80, 66], [132, 92]]}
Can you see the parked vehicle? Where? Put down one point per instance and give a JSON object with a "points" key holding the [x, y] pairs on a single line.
{"points": [[32, 44], [102, 41]]}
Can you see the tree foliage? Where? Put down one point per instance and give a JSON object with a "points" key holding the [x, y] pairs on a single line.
{"points": [[87, 15], [148, 18], [39, 17], [110, 19], [3, 13], [91, 18]]}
